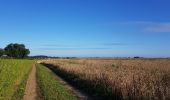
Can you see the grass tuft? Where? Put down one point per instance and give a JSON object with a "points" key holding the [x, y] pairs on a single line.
{"points": [[51, 89]]}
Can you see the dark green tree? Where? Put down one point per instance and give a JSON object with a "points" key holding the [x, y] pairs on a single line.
{"points": [[16, 50], [1, 52]]}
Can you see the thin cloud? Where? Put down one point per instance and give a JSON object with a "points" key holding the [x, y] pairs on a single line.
{"points": [[137, 23], [103, 46], [162, 27], [74, 48], [114, 44], [59, 45], [127, 23], [149, 26], [54, 45]]}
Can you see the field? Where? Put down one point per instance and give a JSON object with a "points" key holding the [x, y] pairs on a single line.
{"points": [[134, 79], [19, 82], [13, 76], [95, 79]]}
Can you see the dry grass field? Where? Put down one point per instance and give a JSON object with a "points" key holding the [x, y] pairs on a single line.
{"points": [[134, 79]]}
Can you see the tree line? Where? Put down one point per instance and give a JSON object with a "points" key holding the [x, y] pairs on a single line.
{"points": [[15, 51]]}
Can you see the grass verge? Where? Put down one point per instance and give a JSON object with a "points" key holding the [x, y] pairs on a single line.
{"points": [[51, 89], [96, 91]]}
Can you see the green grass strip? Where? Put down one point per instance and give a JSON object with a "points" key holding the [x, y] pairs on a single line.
{"points": [[13, 76], [51, 89]]}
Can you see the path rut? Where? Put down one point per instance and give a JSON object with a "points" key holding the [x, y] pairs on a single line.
{"points": [[31, 86], [77, 93]]}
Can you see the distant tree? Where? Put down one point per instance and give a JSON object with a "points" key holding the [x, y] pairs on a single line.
{"points": [[16, 50], [137, 57], [1, 52]]}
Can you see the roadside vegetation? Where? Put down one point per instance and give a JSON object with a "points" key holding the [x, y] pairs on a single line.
{"points": [[13, 78], [51, 89], [134, 79]]}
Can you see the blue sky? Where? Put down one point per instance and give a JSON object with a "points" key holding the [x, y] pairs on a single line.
{"points": [[87, 28]]}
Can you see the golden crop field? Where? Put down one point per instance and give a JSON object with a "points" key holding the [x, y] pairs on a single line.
{"points": [[134, 79]]}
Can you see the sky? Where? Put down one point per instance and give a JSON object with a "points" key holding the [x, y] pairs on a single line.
{"points": [[87, 28]]}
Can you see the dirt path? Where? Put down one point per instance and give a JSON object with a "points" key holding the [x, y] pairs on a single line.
{"points": [[31, 86]]}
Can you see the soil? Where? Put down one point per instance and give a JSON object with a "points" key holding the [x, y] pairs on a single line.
{"points": [[31, 86]]}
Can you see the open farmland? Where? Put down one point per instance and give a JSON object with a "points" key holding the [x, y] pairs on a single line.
{"points": [[94, 79], [13, 78], [19, 80], [134, 79], [84, 49]]}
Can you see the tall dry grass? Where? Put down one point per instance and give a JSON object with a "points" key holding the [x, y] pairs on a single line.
{"points": [[125, 79]]}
